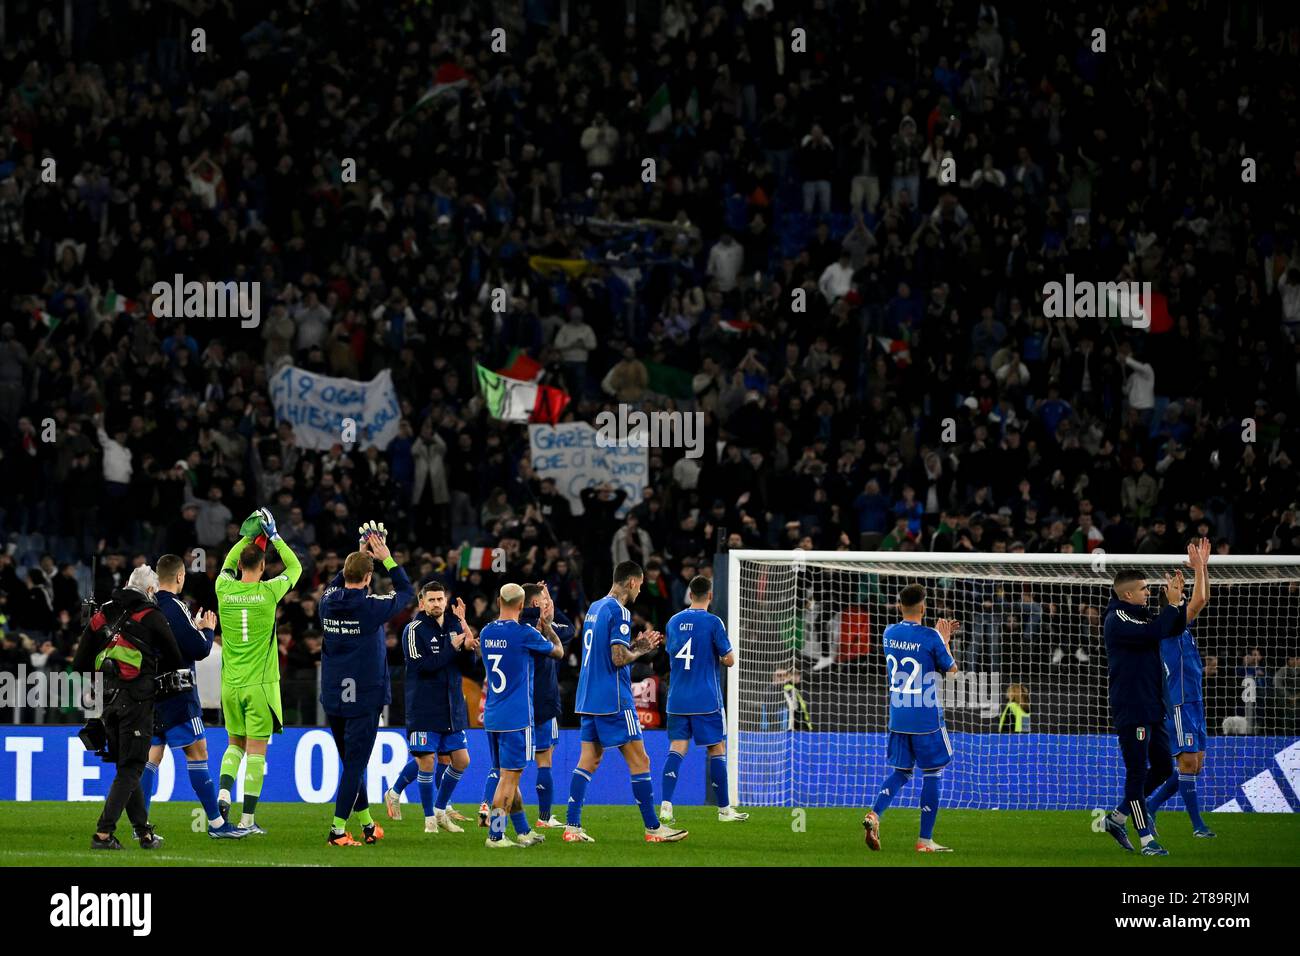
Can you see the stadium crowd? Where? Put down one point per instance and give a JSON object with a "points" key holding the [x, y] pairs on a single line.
{"points": [[919, 401]]}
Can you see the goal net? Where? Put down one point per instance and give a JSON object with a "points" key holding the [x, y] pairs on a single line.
{"points": [[808, 706]]}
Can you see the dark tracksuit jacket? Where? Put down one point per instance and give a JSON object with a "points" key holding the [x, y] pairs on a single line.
{"points": [[546, 670], [354, 678], [1133, 639], [435, 700], [195, 644], [1137, 706]]}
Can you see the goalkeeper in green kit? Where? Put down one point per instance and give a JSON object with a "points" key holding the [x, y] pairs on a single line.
{"points": [[250, 657]]}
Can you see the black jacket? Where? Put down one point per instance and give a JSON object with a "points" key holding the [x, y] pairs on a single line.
{"points": [[1133, 659], [145, 625], [435, 700]]}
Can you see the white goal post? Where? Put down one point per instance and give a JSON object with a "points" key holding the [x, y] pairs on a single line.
{"points": [[806, 699]]}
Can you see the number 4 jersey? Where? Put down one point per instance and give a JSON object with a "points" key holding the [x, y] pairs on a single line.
{"points": [[695, 640], [915, 661]]}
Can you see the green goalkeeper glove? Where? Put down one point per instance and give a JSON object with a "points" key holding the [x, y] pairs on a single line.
{"points": [[252, 528]]}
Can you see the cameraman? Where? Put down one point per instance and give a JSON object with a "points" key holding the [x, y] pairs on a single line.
{"points": [[178, 717], [130, 641]]}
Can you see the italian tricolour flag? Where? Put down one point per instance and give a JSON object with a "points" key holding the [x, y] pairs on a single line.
{"points": [[474, 559], [117, 304], [520, 400]]}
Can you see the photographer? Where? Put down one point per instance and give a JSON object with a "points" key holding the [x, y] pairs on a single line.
{"points": [[130, 640]]}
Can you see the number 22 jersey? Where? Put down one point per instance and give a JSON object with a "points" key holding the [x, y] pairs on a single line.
{"points": [[915, 660]]}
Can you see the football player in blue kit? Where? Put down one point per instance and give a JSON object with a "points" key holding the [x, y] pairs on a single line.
{"points": [[509, 648], [609, 717], [178, 720], [697, 643], [916, 659], [546, 697], [1184, 705]]}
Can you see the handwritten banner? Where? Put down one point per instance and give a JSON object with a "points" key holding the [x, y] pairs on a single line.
{"points": [[318, 407], [569, 454]]}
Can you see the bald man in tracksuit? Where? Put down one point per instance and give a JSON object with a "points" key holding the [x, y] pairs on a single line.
{"points": [[355, 683]]}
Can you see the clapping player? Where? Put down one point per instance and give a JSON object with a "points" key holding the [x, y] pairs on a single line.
{"points": [[609, 717], [250, 657], [1137, 707], [916, 658], [697, 643], [539, 607], [509, 648], [178, 720], [433, 643], [1185, 712], [354, 679]]}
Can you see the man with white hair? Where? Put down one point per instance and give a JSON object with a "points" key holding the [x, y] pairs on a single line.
{"points": [[129, 640]]}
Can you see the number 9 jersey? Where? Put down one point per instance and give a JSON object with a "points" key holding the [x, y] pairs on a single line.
{"points": [[916, 660], [602, 687]]}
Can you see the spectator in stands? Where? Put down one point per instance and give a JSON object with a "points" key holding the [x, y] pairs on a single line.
{"points": [[1139, 492], [1219, 692], [873, 508], [836, 279], [898, 535], [1253, 678], [627, 381], [910, 508], [1286, 686], [726, 259], [906, 148], [816, 166], [631, 542], [598, 142], [575, 341], [1139, 384]]}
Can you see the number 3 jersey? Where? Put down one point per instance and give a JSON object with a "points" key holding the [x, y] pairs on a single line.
{"points": [[695, 640], [508, 648], [915, 661]]}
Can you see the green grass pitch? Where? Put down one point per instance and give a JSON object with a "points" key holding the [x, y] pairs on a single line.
{"points": [[58, 834]]}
